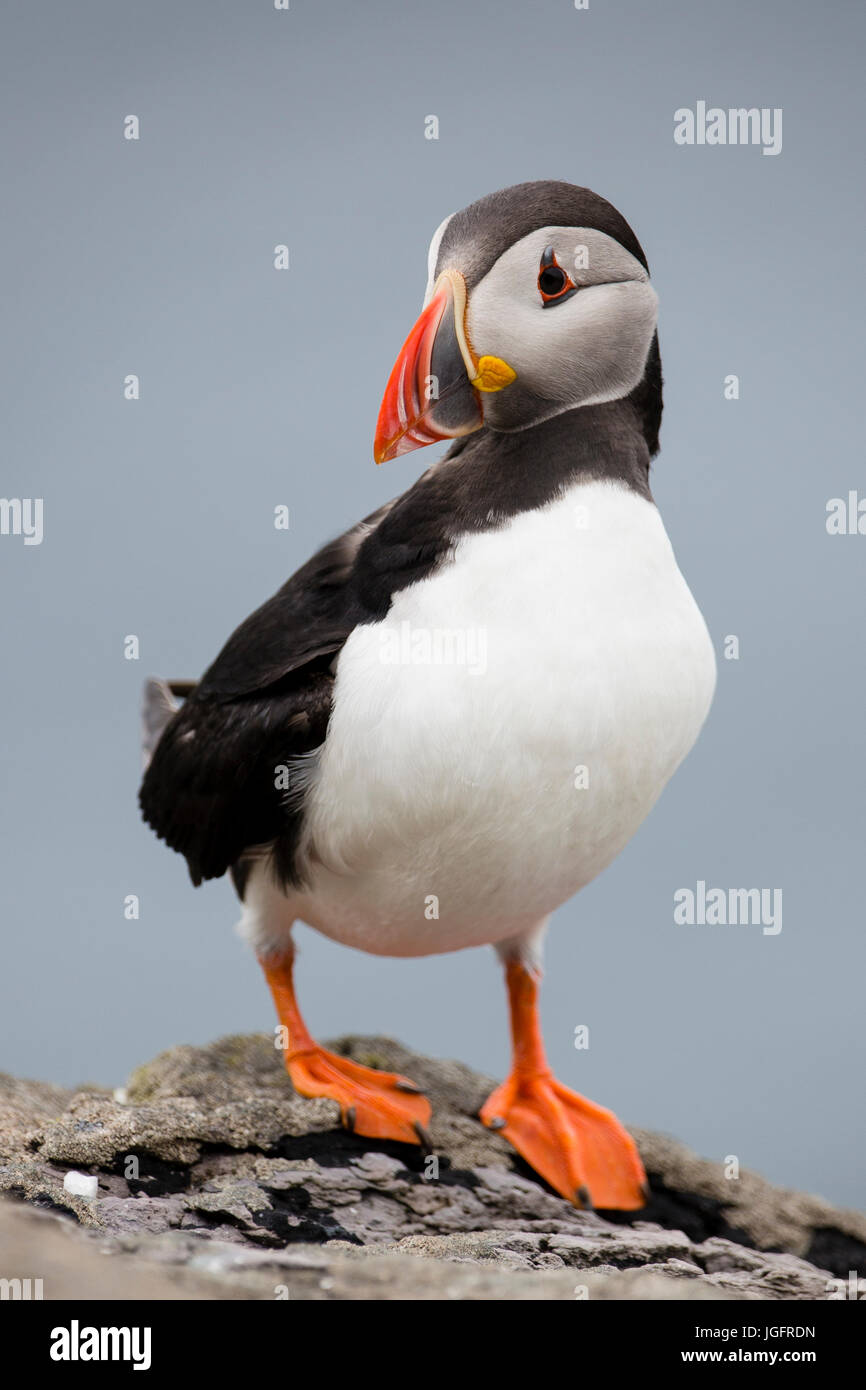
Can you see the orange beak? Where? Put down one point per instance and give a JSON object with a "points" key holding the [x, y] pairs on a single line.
{"points": [[432, 392]]}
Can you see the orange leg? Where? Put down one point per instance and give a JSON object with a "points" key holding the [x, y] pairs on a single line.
{"points": [[581, 1149], [377, 1104]]}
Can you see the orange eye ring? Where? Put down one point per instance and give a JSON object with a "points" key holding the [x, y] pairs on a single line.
{"points": [[554, 283]]}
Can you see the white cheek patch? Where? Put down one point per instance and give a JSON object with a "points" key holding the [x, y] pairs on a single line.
{"points": [[590, 348], [615, 329]]}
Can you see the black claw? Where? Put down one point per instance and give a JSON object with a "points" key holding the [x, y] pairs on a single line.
{"points": [[496, 1123], [583, 1196], [424, 1137], [351, 1116], [408, 1086]]}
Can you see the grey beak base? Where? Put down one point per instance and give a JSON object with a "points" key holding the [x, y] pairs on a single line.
{"points": [[455, 405]]}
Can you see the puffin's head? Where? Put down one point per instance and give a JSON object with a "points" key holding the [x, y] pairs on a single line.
{"points": [[538, 301]]}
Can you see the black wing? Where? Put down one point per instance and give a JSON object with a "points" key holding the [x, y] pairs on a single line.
{"points": [[216, 784]]}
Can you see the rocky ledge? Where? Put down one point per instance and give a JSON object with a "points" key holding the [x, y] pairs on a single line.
{"points": [[214, 1180]]}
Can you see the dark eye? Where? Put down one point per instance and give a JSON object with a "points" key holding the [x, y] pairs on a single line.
{"points": [[552, 280], [554, 284]]}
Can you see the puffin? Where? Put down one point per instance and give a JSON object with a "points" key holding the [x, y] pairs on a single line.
{"points": [[457, 713]]}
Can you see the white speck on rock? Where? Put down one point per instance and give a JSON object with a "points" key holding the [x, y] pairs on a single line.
{"points": [[80, 1184]]}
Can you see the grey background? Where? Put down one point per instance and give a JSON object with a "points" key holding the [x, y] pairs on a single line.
{"points": [[260, 388]]}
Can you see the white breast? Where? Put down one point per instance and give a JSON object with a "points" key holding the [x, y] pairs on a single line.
{"points": [[499, 738]]}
